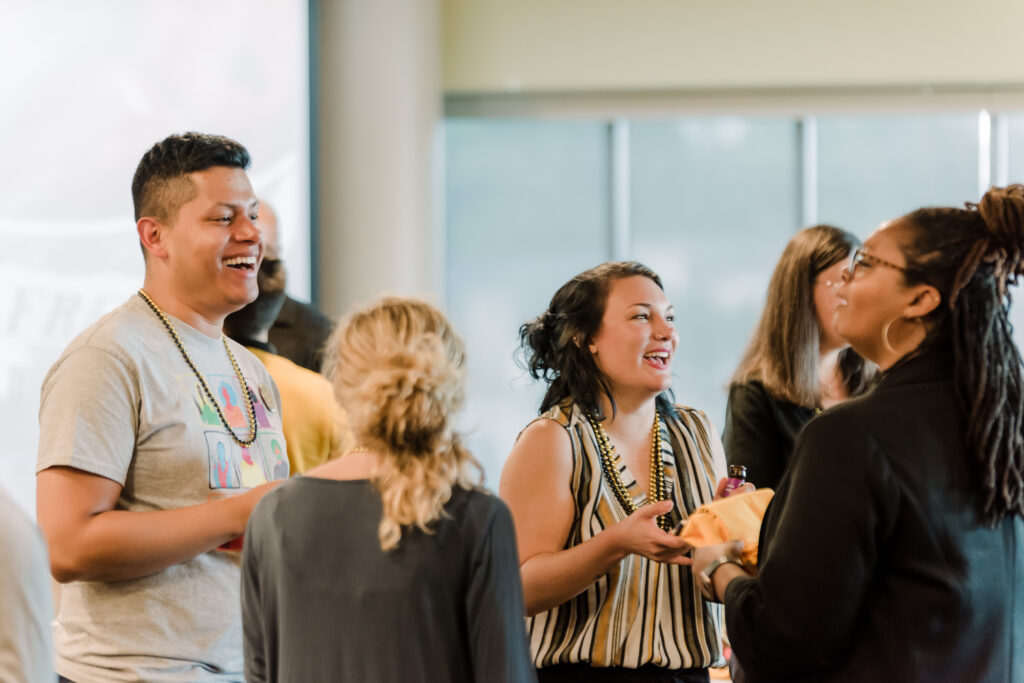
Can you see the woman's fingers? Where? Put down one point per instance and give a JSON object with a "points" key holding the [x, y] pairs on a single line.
{"points": [[652, 510]]}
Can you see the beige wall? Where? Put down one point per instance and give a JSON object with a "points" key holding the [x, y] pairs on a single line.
{"points": [[494, 46]]}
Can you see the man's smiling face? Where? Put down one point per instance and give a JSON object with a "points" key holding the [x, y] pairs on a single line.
{"points": [[214, 247]]}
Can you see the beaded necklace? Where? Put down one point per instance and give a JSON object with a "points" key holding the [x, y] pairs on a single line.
{"points": [[249, 412], [656, 487]]}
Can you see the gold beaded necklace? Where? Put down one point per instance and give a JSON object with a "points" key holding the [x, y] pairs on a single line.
{"points": [[249, 412], [656, 487]]}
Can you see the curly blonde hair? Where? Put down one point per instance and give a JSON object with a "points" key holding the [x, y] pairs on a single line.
{"points": [[397, 370]]}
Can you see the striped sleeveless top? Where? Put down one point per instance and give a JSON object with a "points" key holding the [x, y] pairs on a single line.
{"points": [[641, 611]]}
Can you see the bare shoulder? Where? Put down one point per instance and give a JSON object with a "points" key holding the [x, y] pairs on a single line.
{"points": [[544, 430], [543, 444], [536, 486], [543, 453]]}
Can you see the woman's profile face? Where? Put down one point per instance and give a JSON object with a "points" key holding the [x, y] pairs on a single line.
{"points": [[873, 293], [825, 302], [636, 343]]}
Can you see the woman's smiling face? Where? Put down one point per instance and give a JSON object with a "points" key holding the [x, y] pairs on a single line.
{"points": [[873, 293], [637, 340]]}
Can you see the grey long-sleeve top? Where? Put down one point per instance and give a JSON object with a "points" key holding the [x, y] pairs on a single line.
{"points": [[322, 602]]}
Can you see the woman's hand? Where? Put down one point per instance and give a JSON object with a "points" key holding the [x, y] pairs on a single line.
{"points": [[639, 534], [747, 487], [721, 575], [702, 557]]}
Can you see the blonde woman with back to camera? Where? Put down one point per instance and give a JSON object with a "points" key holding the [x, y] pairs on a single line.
{"points": [[388, 563]]}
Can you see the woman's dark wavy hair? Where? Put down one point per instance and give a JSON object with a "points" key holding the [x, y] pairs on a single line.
{"points": [[783, 353], [972, 256], [555, 345]]}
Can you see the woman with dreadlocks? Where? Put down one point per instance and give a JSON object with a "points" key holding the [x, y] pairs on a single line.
{"points": [[895, 549]]}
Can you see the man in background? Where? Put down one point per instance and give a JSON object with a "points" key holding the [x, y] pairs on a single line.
{"points": [[300, 330], [315, 426]]}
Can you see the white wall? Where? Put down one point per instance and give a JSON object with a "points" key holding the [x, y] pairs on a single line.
{"points": [[86, 89]]}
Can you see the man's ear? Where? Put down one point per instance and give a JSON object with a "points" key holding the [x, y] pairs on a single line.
{"points": [[151, 235], [926, 299]]}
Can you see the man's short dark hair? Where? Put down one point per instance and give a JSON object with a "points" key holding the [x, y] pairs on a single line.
{"points": [[258, 316], [161, 185]]}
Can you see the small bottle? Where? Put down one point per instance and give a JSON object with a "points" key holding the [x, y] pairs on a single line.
{"points": [[737, 477]]}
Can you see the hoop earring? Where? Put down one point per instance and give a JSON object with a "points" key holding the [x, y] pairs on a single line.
{"points": [[885, 336]]}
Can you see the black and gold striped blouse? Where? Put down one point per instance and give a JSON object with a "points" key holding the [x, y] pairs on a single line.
{"points": [[641, 611]]}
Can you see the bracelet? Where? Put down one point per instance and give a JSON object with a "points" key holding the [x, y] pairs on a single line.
{"points": [[705, 581]]}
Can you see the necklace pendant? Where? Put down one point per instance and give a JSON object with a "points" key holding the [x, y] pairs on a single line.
{"points": [[268, 398]]}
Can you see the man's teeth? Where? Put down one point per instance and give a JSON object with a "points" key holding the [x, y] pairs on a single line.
{"points": [[240, 261]]}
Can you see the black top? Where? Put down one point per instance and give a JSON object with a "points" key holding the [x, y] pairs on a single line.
{"points": [[300, 333], [875, 565], [322, 602], [760, 430]]}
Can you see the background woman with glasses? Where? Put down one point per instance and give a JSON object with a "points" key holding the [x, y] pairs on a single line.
{"points": [[795, 364], [895, 548]]}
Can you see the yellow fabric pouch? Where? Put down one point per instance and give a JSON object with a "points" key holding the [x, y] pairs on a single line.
{"points": [[736, 518]]}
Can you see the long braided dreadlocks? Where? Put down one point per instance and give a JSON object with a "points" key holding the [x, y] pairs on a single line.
{"points": [[971, 256]]}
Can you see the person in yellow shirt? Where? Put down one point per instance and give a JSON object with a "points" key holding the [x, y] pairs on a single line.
{"points": [[315, 426]]}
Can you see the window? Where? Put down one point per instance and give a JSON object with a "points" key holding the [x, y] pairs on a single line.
{"points": [[708, 202], [714, 201], [875, 168], [527, 208]]}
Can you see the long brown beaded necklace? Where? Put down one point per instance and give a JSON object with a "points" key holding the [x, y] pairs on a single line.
{"points": [[249, 412], [656, 487]]}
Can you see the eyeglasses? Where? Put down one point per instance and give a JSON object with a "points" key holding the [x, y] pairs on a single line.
{"points": [[858, 256]]}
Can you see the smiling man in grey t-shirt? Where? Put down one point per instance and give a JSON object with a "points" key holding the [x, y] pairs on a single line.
{"points": [[158, 436]]}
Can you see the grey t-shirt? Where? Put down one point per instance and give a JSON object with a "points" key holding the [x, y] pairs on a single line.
{"points": [[322, 602], [26, 606], [122, 403]]}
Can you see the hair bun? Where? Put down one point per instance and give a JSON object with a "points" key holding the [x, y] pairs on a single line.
{"points": [[538, 339], [412, 392], [1002, 210], [420, 367]]}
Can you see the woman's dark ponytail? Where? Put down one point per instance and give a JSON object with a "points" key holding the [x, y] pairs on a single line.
{"points": [[972, 256]]}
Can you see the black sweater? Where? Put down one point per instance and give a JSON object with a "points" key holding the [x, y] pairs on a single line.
{"points": [[875, 564], [760, 430]]}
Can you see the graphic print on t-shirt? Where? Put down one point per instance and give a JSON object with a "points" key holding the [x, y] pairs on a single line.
{"points": [[231, 404], [232, 466], [224, 472], [280, 460], [257, 407]]}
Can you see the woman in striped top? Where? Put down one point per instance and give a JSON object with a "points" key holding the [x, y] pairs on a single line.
{"points": [[608, 589]]}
